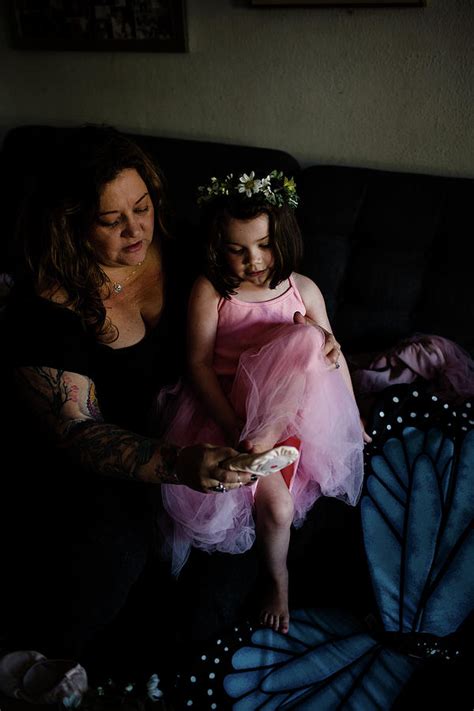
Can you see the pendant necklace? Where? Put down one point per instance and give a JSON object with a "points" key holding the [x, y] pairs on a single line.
{"points": [[118, 286]]}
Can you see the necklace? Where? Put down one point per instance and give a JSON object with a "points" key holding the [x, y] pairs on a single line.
{"points": [[118, 287]]}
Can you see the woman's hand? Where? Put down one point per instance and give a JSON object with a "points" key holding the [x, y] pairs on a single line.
{"points": [[332, 349], [200, 467]]}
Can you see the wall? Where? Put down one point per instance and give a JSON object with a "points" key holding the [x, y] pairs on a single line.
{"points": [[379, 87]]}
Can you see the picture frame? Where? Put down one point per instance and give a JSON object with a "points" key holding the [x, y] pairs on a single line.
{"points": [[339, 3], [99, 25]]}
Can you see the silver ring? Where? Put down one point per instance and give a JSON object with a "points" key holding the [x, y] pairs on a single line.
{"points": [[337, 364], [239, 480], [220, 488]]}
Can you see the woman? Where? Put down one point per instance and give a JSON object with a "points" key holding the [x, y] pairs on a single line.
{"points": [[93, 329]]}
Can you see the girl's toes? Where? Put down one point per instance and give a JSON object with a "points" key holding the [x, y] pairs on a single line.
{"points": [[284, 624]]}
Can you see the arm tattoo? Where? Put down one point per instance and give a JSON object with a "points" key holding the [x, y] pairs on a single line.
{"points": [[50, 389], [112, 451], [107, 449], [72, 413]]}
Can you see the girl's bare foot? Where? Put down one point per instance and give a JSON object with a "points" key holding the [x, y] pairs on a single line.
{"points": [[262, 445], [275, 613]]}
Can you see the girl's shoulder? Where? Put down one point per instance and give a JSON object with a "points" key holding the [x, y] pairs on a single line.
{"points": [[306, 286], [312, 299], [203, 290]]}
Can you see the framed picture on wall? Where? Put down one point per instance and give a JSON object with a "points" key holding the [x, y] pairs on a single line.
{"points": [[110, 25], [339, 3]]}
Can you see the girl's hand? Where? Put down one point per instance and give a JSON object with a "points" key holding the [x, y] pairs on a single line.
{"points": [[332, 348], [199, 467]]}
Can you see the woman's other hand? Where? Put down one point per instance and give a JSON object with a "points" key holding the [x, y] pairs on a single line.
{"points": [[200, 467], [332, 348]]}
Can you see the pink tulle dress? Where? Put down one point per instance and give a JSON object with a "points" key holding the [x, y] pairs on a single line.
{"points": [[275, 375]]}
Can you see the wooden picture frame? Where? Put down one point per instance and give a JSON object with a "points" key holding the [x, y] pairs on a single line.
{"points": [[99, 25], [339, 3]]}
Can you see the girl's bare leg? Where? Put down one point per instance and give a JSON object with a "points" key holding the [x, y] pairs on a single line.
{"points": [[274, 509]]}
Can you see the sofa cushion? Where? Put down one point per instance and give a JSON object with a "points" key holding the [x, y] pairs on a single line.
{"points": [[386, 250], [390, 251]]}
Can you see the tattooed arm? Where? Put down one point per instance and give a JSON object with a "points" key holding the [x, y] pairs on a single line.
{"points": [[66, 406]]}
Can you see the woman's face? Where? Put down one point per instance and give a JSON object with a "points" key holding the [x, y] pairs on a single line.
{"points": [[123, 227]]}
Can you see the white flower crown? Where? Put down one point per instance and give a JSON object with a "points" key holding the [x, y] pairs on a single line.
{"points": [[276, 189]]}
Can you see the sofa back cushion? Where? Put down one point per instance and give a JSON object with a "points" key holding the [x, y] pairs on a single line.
{"points": [[390, 252]]}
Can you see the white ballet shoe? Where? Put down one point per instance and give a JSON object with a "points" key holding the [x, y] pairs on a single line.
{"points": [[264, 463]]}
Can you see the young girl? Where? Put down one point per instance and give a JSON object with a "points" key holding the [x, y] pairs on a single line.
{"points": [[259, 378]]}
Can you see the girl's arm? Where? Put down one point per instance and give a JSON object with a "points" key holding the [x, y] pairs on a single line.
{"points": [[331, 346], [316, 310], [65, 406], [202, 327]]}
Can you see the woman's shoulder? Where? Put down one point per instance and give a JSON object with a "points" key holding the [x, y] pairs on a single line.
{"points": [[26, 298], [29, 315], [41, 332], [56, 295]]}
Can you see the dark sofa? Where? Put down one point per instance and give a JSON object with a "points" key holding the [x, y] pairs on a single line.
{"points": [[388, 250]]}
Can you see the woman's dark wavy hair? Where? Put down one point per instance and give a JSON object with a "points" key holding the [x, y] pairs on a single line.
{"points": [[284, 233], [55, 226]]}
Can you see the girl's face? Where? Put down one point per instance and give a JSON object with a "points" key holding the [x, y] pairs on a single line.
{"points": [[123, 228], [248, 251]]}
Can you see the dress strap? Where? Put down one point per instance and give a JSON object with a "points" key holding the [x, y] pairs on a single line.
{"points": [[296, 292]]}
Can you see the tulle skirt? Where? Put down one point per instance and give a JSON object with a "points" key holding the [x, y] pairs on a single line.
{"points": [[285, 387]]}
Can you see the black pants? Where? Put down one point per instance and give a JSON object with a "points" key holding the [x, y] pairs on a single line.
{"points": [[79, 571]]}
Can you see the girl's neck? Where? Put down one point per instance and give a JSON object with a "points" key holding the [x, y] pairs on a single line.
{"points": [[254, 293]]}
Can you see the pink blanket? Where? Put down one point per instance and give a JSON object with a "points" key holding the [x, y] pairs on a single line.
{"points": [[448, 368]]}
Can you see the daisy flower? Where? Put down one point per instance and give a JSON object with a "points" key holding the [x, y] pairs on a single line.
{"points": [[248, 184]]}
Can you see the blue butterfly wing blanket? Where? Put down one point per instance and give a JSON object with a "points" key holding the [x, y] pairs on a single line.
{"points": [[417, 515]]}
